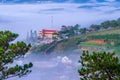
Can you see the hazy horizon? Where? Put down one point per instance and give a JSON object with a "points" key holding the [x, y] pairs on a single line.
{"points": [[21, 18]]}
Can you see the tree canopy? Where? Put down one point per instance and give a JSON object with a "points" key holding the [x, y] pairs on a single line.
{"points": [[99, 66], [10, 52]]}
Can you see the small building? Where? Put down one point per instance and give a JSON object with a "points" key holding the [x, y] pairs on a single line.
{"points": [[47, 33], [112, 42]]}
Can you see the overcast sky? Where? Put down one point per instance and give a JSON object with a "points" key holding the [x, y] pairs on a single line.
{"points": [[21, 18]]}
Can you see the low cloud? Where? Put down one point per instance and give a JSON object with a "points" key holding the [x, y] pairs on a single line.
{"points": [[38, 16], [111, 0]]}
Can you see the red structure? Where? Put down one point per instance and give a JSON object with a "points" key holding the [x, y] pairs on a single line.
{"points": [[97, 41], [47, 33]]}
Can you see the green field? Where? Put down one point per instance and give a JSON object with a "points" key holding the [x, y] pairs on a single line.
{"points": [[107, 46], [109, 31]]}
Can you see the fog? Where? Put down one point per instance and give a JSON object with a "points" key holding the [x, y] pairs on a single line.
{"points": [[21, 18], [51, 67]]}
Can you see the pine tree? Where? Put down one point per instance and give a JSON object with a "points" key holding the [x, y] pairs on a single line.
{"points": [[99, 66], [10, 52]]}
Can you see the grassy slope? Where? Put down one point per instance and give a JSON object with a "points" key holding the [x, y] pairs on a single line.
{"points": [[72, 42], [109, 31], [104, 32]]}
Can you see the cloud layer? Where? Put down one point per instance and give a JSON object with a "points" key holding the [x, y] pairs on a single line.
{"points": [[21, 18]]}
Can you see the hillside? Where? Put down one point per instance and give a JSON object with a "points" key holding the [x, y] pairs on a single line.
{"points": [[76, 42], [110, 42], [108, 31]]}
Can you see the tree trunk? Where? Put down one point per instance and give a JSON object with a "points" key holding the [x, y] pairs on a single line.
{"points": [[108, 74]]}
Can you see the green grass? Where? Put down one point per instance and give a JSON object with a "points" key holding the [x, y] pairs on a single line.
{"points": [[109, 31], [89, 44], [103, 32]]}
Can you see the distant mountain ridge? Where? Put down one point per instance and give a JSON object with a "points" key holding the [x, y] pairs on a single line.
{"points": [[53, 1]]}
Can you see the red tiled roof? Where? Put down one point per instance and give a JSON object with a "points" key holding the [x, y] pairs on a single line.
{"points": [[48, 31]]}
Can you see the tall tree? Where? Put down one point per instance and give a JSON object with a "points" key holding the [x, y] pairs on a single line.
{"points": [[83, 30], [76, 29], [95, 27], [114, 24], [71, 31], [106, 24], [10, 52], [118, 21], [99, 66]]}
